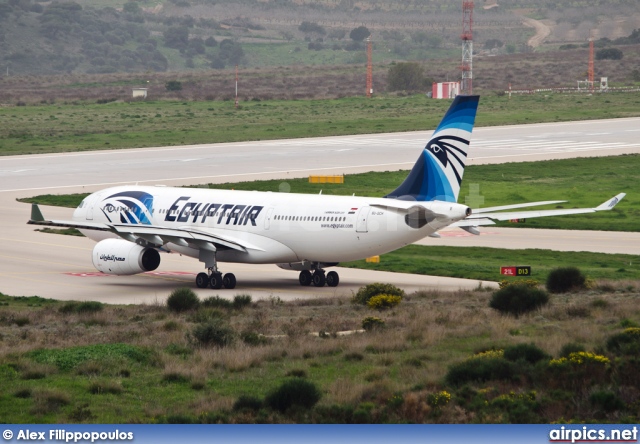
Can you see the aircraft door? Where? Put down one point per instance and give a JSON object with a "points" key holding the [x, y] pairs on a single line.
{"points": [[90, 205], [267, 219], [361, 222], [92, 202]]}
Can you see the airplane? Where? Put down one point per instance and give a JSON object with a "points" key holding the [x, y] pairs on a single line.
{"points": [[132, 225]]}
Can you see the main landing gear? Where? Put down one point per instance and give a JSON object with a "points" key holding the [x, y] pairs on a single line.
{"points": [[216, 280], [213, 278], [318, 278]]}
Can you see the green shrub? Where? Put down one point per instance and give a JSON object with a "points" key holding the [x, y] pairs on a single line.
{"points": [[68, 307], [625, 343], [213, 333], [175, 378], [528, 282], [171, 326], [246, 402], [571, 347], [577, 371], [241, 300], [81, 413], [297, 373], [483, 367], [23, 393], [367, 292], [217, 302], [253, 338], [182, 299], [203, 315], [372, 323], [353, 356], [89, 307], [517, 408], [518, 299], [437, 400], [525, 352], [21, 321], [68, 358], [606, 401], [561, 280], [293, 392], [383, 301], [173, 85], [628, 323], [105, 387], [81, 307]]}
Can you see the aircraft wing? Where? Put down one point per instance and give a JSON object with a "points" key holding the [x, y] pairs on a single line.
{"points": [[488, 216], [157, 235]]}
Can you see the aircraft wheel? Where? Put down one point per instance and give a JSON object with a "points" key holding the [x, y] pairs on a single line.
{"points": [[229, 281], [202, 280], [333, 279], [215, 281], [305, 278], [319, 279]]}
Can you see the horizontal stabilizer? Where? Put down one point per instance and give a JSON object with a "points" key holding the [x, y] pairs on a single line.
{"points": [[514, 206], [472, 230], [480, 217]]}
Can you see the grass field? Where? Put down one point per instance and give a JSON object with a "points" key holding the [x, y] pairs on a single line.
{"points": [[90, 126], [485, 263], [71, 362]]}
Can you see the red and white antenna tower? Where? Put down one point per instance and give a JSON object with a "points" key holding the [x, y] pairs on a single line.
{"points": [[369, 69], [590, 69], [466, 86]]}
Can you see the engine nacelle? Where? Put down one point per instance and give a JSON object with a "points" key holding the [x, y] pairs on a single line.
{"points": [[121, 257]]}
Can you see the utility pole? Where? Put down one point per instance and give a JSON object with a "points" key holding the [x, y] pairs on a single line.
{"points": [[590, 69], [369, 69], [236, 86]]}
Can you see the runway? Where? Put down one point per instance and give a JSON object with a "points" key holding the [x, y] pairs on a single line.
{"points": [[33, 263], [282, 159]]}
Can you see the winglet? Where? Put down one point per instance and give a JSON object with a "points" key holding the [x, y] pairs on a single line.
{"points": [[36, 214], [608, 205]]}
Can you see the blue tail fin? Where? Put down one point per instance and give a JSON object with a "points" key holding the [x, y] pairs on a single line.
{"points": [[438, 172]]}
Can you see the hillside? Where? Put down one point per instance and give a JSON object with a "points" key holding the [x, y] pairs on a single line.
{"points": [[93, 37]]}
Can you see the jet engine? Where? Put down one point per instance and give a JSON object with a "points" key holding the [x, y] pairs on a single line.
{"points": [[121, 257]]}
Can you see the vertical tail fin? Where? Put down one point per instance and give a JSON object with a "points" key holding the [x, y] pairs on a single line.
{"points": [[438, 172]]}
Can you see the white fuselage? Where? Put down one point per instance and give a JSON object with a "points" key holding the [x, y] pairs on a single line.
{"points": [[273, 227]]}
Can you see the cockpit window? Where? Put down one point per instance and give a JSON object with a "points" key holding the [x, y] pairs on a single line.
{"points": [[81, 204]]}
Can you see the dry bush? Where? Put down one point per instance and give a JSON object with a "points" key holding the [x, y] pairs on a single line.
{"points": [[345, 391], [48, 401], [211, 402]]}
